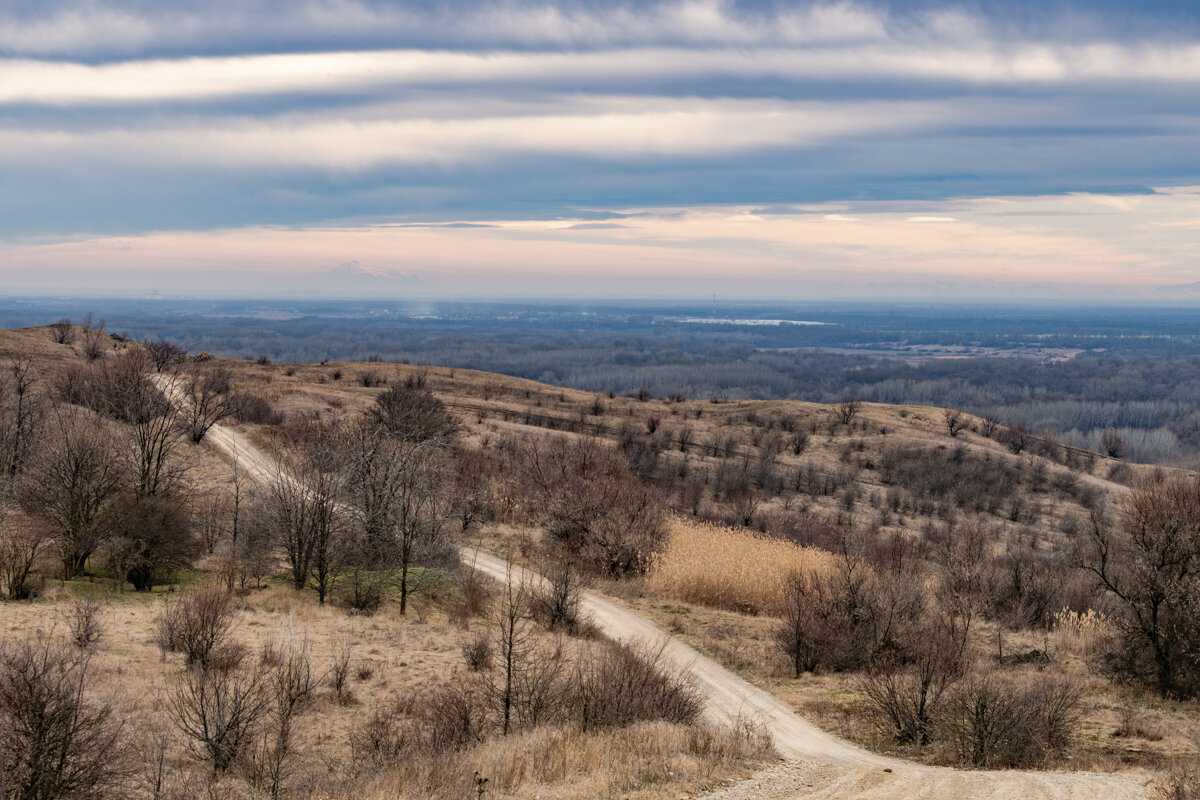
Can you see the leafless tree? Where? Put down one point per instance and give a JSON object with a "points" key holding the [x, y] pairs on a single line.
{"points": [[22, 410], [70, 481], [907, 688], [155, 436], [212, 513], [95, 339], [302, 504], [514, 640], [22, 543], [400, 499], [289, 688], [207, 393], [847, 410], [409, 411], [955, 421], [62, 332], [557, 601], [164, 354], [591, 503], [220, 711], [147, 539], [56, 741], [199, 625], [1112, 444], [1150, 565]]}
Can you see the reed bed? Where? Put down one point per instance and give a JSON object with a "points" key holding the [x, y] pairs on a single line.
{"points": [[729, 568], [1081, 634]]}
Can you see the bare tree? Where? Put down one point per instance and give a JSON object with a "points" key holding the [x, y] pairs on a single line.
{"points": [[1112, 444], [847, 410], [22, 412], [220, 711], [62, 332], [155, 436], [71, 481], [94, 337], [304, 513], [514, 640], [164, 354], [409, 411], [400, 500], [56, 741], [955, 421], [148, 538], [907, 688], [207, 393], [22, 543], [591, 503], [199, 625], [290, 687], [557, 602], [1150, 566]]}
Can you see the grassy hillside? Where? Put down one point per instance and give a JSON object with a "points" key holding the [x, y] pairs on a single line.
{"points": [[827, 552]]}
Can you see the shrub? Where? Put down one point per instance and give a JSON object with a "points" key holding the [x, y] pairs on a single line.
{"points": [[992, 721], [148, 539], [219, 711], [254, 409], [556, 601], [83, 622], [55, 740], [477, 652], [371, 378], [410, 412], [623, 683], [199, 625], [62, 332]]}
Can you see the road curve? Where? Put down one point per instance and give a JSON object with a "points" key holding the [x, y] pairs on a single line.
{"points": [[826, 766]]}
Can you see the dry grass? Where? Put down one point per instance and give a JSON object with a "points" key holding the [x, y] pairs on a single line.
{"points": [[1080, 634], [649, 760], [728, 568]]}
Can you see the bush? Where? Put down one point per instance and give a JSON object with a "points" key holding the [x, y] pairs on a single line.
{"points": [[198, 625], [410, 412], [477, 652], [996, 722], [83, 622], [55, 741], [219, 711], [556, 602], [254, 409], [622, 683]]}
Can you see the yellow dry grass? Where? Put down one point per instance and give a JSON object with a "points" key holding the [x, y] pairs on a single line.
{"points": [[1081, 634], [729, 568], [646, 760]]}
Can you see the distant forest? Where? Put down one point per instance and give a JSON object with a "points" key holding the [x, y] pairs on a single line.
{"points": [[1079, 373]]}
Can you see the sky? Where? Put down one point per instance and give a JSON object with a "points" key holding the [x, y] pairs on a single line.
{"points": [[358, 148]]}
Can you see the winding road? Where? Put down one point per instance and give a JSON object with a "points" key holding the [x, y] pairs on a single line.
{"points": [[821, 765]]}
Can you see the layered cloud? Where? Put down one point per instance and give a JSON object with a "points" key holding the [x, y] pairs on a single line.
{"points": [[246, 125]]}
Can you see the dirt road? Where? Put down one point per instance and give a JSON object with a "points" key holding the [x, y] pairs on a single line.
{"points": [[823, 765]]}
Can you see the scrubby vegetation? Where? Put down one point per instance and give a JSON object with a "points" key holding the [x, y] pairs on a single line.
{"points": [[971, 592]]}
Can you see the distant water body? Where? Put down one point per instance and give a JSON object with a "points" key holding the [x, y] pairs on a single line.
{"points": [[764, 322]]}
